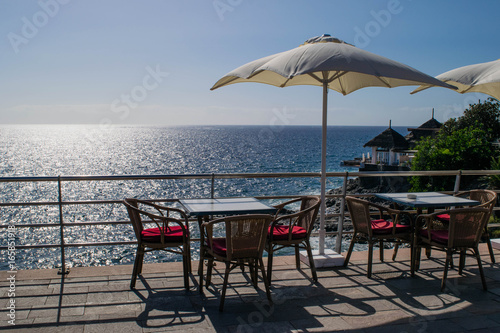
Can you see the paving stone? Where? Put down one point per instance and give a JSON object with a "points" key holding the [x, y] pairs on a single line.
{"points": [[106, 327], [479, 322], [128, 308], [320, 324], [375, 319], [96, 299]]}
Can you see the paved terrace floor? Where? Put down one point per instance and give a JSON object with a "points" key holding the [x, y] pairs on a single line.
{"points": [[98, 299]]}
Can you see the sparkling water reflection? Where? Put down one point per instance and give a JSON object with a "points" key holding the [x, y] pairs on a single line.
{"points": [[54, 150]]}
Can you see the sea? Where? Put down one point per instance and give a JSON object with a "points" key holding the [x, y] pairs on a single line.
{"points": [[68, 150]]}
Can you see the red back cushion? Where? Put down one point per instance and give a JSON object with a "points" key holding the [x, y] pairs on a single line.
{"points": [[382, 227], [280, 232], [153, 235]]}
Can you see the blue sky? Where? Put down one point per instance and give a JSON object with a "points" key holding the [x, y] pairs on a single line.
{"points": [[153, 62]]}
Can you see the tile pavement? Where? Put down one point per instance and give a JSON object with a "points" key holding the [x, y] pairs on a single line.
{"points": [[98, 299]]}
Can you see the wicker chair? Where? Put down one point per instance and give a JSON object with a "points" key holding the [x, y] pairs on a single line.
{"points": [[378, 230], [488, 200], [464, 232], [170, 233], [243, 245], [293, 230]]}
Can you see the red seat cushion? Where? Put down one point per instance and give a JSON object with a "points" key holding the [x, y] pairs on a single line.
{"points": [[443, 218], [382, 227], [219, 246], [438, 236], [172, 234], [280, 232]]}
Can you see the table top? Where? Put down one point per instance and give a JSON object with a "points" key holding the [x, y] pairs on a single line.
{"points": [[427, 199], [229, 206]]}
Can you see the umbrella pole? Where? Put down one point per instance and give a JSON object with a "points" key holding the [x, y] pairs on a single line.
{"points": [[322, 231]]}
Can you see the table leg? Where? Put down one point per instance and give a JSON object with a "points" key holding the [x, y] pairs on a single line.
{"points": [[428, 249], [202, 247]]}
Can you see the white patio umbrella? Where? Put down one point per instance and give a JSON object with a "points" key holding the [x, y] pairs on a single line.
{"points": [[483, 78], [331, 63]]}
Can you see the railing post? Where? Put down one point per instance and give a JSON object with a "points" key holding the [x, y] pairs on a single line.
{"points": [[213, 186], [63, 269], [457, 182], [340, 225]]}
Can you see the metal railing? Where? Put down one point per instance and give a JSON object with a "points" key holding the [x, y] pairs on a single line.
{"points": [[60, 203]]}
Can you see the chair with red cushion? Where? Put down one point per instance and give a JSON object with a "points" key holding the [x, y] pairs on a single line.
{"points": [[241, 244], [488, 200], [293, 230], [169, 232], [463, 234], [385, 228]]}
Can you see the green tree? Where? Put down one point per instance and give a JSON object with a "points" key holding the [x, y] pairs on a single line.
{"points": [[467, 148], [495, 179], [485, 116]]}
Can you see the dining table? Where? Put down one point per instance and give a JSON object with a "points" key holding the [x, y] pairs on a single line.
{"points": [[429, 200], [204, 208], [426, 200]]}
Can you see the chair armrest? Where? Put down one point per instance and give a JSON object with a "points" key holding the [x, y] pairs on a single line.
{"points": [[393, 213], [206, 229], [282, 205]]}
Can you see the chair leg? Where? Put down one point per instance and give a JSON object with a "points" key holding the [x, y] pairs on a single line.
{"points": [[490, 248], [381, 249], [269, 264], [186, 263], [141, 257], [224, 287], [311, 261], [370, 259], [135, 271], [266, 284], [297, 257], [445, 273], [252, 264], [395, 253], [413, 255], [200, 271], [209, 271], [418, 256], [200, 265], [480, 265], [349, 252], [188, 251], [461, 262]]}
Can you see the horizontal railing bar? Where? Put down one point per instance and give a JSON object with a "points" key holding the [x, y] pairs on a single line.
{"points": [[252, 175], [98, 202], [79, 244], [316, 234], [70, 245], [160, 177], [41, 246], [66, 224]]}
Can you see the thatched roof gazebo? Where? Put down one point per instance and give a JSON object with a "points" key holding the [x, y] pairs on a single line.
{"points": [[430, 128], [388, 141]]}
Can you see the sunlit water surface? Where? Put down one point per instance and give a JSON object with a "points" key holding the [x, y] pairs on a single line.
{"points": [[134, 150]]}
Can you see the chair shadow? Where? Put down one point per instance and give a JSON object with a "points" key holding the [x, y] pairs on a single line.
{"points": [[247, 310], [167, 306]]}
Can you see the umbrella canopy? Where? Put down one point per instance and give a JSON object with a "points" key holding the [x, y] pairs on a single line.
{"points": [[333, 64], [483, 78], [342, 66]]}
